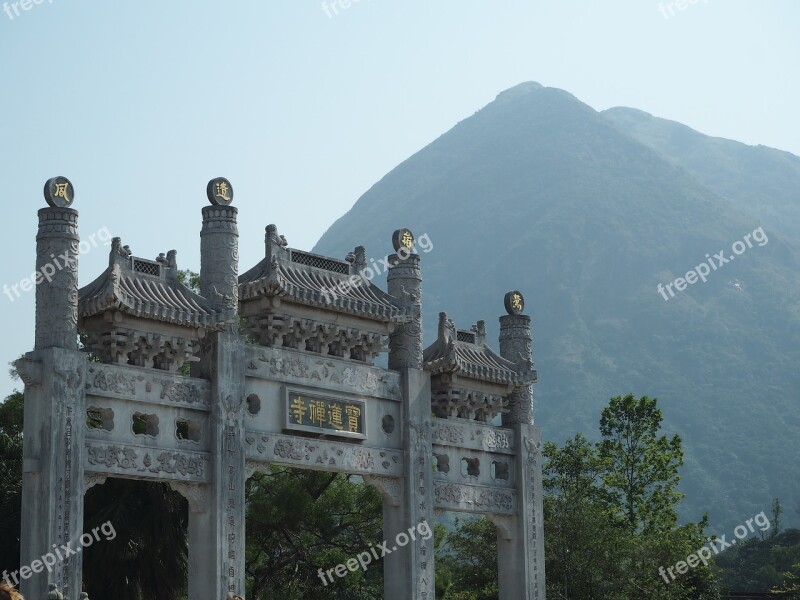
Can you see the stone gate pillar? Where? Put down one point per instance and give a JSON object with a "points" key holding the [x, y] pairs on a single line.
{"points": [[409, 573], [216, 522], [54, 375], [520, 545]]}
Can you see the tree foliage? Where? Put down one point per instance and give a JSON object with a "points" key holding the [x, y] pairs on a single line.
{"points": [[466, 560], [299, 522], [642, 470]]}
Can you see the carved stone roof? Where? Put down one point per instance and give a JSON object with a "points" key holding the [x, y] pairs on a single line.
{"points": [[318, 281], [466, 353], [150, 290]]}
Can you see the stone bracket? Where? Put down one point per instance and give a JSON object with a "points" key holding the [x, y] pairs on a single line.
{"points": [[390, 488]]}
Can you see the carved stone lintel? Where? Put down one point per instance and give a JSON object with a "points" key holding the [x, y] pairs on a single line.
{"points": [[147, 463], [389, 487], [277, 363], [470, 498]]}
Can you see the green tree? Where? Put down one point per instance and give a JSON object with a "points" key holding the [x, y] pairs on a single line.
{"points": [[758, 565], [299, 522], [642, 473], [606, 536], [777, 512], [790, 589], [579, 533], [467, 557]]}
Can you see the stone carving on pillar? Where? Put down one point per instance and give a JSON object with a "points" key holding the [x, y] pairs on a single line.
{"points": [[404, 281], [515, 345], [533, 450], [233, 406], [57, 261], [67, 387], [219, 249], [390, 488], [532, 446]]}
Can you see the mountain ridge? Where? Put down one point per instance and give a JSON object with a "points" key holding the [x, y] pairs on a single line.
{"points": [[538, 191]]}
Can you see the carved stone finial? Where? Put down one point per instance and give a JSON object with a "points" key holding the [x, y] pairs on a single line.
{"points": [[54, 594], [514, 302], [360, 263], [219, 191], [444, 329], [58, 192], [118, 249], [271, 234], [480, 332], [403, 239]]}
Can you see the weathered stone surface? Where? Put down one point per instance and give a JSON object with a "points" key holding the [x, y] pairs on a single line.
{"points": [[132, 416]]}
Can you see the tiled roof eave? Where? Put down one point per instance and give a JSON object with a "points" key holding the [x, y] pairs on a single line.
{"points": [[112, 297], [266, 286]]}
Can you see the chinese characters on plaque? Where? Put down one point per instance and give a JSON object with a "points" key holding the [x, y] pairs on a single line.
{"points": [[514, 302], [331, 416]]}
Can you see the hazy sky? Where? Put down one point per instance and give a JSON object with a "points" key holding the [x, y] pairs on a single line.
{"points": [[303, 109]]}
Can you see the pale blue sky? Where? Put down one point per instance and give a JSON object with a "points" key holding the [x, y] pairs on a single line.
{"points": [[140, 104]]}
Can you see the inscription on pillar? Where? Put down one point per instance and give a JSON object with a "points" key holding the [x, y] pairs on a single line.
{"points": [[231, 445]]}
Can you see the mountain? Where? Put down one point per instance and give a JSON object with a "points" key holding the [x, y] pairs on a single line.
{"points": [[539, 192], [760, 181]]}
